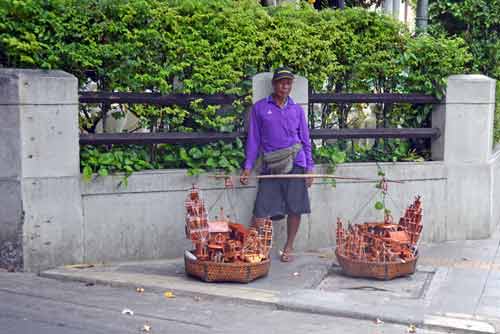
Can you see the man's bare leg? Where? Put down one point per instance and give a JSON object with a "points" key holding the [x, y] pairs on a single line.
{"points": [[292, 224]]}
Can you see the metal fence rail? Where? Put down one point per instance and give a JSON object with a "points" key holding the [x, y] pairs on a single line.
{"points": [[154, 99], [223, 99], [373, 98], [207, 137]]}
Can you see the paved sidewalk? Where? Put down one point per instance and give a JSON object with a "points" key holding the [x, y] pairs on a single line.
{"points": [[456, 287]]}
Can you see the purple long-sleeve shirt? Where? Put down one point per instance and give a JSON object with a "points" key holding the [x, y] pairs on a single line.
{"points": [[272, 128]]}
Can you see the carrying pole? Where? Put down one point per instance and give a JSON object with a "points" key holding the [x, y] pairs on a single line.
{"points": [[306, 176]]}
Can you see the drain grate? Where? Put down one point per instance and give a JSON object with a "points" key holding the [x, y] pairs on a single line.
{"points": [[413, 286]]}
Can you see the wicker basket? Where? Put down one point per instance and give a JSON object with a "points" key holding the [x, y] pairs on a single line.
{"points": [[242, 272], [383, 271]]}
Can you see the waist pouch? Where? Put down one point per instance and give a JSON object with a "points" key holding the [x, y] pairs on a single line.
{"points": [[281, 161]]}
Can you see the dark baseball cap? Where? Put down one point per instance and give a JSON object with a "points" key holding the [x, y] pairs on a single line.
{"points": [[282, 73]]}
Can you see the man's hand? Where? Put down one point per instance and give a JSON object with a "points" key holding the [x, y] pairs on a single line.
{"points": [[309, 180], [244, 176]]}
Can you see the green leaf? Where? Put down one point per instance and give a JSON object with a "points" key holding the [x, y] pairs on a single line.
{"points": [[87, 173], [379, 205], [183, 154], [211, 163], [195, 153], [103, 172]]}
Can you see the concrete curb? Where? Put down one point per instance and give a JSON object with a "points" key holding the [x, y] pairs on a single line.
{"points": [[303, 301], [162, 283]]}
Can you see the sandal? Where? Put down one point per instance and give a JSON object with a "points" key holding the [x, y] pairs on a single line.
{"points": [[286, 256]]}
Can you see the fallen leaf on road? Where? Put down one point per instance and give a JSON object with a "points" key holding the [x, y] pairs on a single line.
{"points": [[146, 328], [169, 294], [127, 311], [412, 329], [197, 298], [140, 290], [379, 322], [326, 255], [79, 266]]}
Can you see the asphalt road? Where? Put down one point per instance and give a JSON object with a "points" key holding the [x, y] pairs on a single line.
{"points": [[30, 304]]}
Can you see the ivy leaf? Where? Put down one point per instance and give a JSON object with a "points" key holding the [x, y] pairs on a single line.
{"points": [[87, 173], [183, 154], [103, 172], [379, 205], [195, 153]]}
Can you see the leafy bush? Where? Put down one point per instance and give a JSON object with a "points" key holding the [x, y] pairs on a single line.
{"points": [[478, 23], [216, 46]]}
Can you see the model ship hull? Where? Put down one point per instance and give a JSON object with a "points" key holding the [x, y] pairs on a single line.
{"points": [[378, 270], [241, 272]]}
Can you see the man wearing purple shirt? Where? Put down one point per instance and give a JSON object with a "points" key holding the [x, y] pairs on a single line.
{"points": [[278, 130]]}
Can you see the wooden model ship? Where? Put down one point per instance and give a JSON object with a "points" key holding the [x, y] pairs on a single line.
{"points": [[224, 250], [382, 250]]}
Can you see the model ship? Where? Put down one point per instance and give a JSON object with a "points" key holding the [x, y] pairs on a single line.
{"points": [[382, 250], [224, 250]]}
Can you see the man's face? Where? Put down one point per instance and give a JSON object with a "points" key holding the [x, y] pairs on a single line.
{"points": [[282, 87]]}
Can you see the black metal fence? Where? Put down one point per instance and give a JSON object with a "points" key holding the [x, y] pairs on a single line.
{"points": [[106, 98]]}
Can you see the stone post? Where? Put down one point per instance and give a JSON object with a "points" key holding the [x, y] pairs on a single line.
{"points": [[467, 150], [41, 219]]}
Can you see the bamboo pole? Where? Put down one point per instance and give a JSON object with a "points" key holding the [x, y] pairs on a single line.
{"points": [[305, 176]]}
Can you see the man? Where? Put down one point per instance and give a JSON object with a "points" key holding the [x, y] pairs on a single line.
{"points": [[278, 130]]}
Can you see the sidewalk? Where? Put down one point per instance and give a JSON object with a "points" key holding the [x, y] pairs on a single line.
{"points": [[456, 287]]}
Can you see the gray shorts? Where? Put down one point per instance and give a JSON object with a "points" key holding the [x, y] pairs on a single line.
{"points": [[279, 197]]}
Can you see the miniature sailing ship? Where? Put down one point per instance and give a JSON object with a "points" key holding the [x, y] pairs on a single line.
{"points": [[223, 249], [382, 250]]}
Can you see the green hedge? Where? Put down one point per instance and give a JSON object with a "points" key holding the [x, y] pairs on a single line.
{"points": [[216, 46], [478, 23]]}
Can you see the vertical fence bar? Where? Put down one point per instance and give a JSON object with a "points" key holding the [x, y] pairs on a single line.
{"points": [[104, 114]]}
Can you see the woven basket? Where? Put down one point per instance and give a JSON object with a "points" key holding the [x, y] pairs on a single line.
{"points": [[242, 272], [383, 271]]}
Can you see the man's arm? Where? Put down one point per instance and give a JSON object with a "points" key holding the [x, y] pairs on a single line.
{"points": [[305, 139], [252, 145]]}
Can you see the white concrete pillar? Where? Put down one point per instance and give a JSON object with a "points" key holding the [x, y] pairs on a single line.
{"points": [[396, 4], [387, 6], [470, 109], [468, 141], [42, 214]]}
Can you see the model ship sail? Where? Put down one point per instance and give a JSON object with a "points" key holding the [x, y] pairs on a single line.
{"points": [[382, 249]]}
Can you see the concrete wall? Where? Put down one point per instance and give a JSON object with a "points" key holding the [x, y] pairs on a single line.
{"points": [[49, 216], [146, 218]]}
